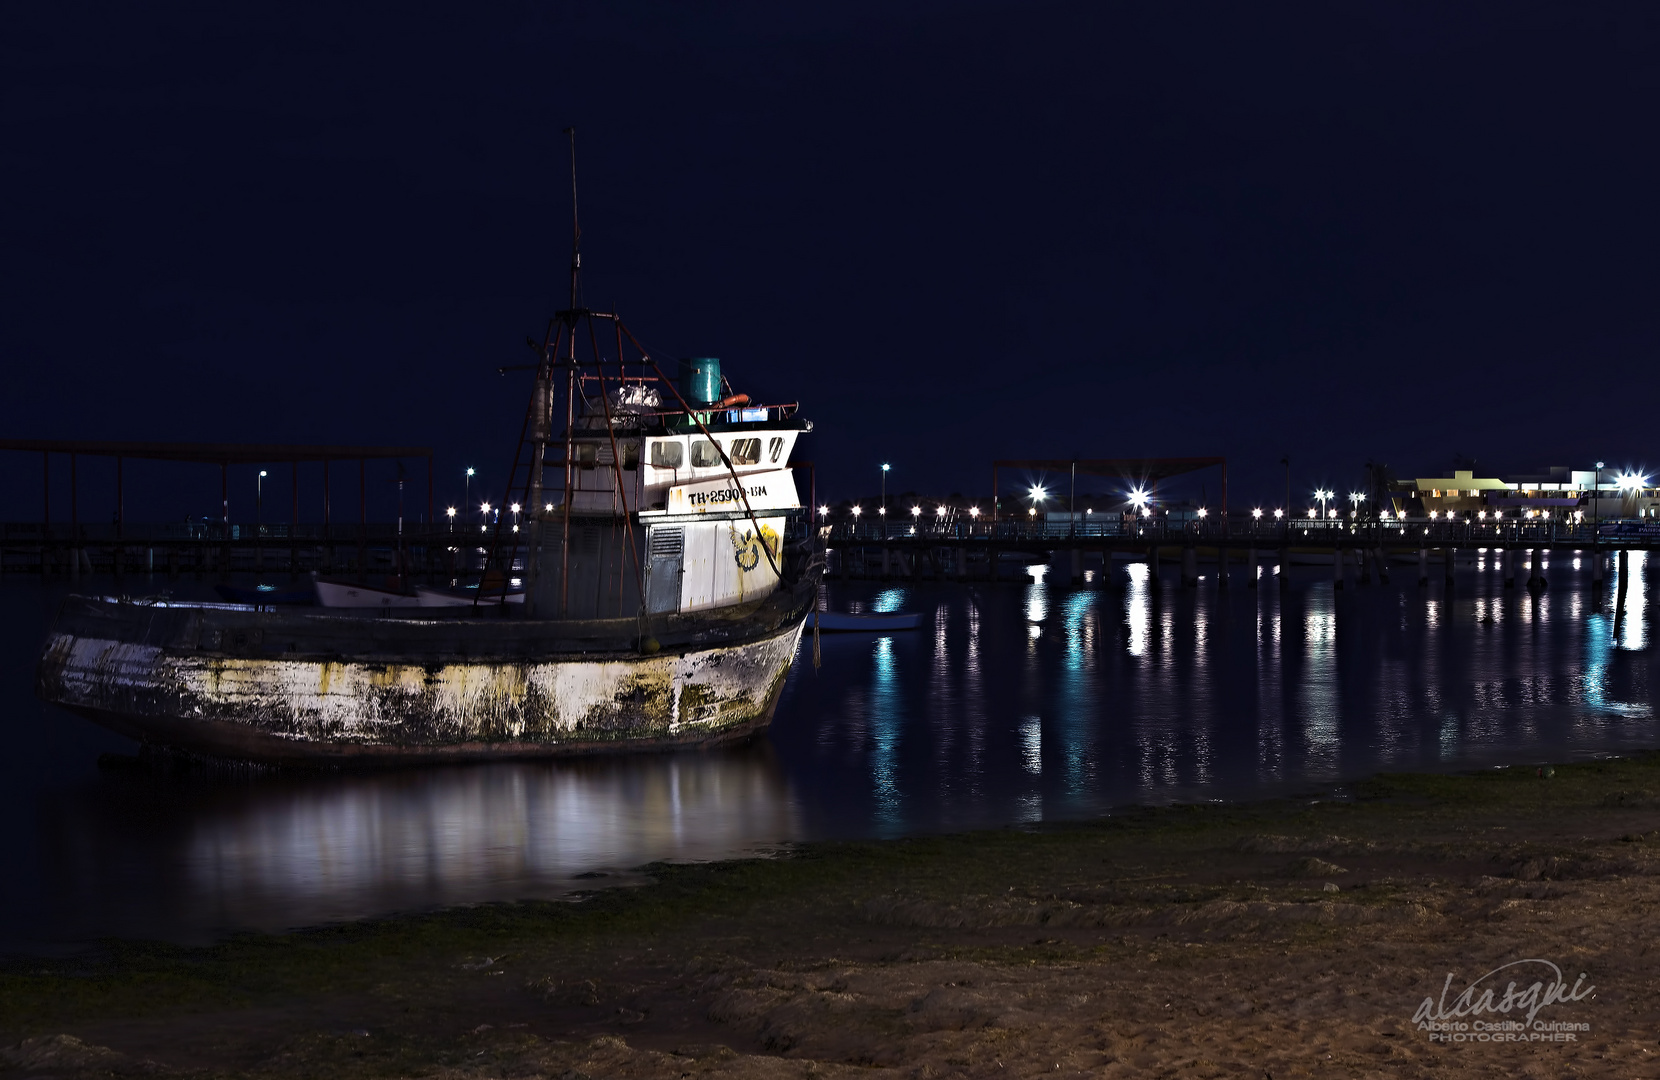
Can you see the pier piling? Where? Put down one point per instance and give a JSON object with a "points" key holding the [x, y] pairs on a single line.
{"points": [[1251, 567], [1423, 565]]}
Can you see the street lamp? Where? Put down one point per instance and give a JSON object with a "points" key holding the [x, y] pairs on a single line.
{"points": [[857, 510], [259, 496], [883, 510], [467, 487], [449, 512], [1322, 495]]}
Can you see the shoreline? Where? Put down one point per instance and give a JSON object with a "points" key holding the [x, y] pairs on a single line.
{"points": [[1294, 936]]}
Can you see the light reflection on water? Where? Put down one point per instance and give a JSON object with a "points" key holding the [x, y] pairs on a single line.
{"points": [[1014, 702]]}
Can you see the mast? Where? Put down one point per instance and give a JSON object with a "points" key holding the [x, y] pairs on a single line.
{"points": [[570, 390]]}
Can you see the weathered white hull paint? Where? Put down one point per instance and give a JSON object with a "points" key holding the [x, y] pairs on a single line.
{"points": [[290, 710]]}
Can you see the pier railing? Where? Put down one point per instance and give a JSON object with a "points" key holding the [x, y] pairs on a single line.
{"points": [[1395, 532]]}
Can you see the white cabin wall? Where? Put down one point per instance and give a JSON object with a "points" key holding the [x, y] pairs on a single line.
{"points": [[697, 584]]}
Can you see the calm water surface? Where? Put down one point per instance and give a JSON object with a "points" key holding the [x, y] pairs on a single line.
{"points": [[1016, 702]]}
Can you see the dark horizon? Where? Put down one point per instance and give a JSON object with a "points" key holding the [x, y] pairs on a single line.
{"points": [[955, 233]]}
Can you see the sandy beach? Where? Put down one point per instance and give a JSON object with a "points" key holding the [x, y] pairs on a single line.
{"points": [[1295, 938]]}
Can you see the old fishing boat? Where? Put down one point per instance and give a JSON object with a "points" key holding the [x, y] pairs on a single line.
{"points": [[667, 567]]}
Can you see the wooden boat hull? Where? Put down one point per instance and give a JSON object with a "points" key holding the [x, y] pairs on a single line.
{"points": [[230, 683]]}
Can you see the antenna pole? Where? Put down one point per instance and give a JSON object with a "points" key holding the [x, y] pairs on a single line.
{"points": [[576, 226]]}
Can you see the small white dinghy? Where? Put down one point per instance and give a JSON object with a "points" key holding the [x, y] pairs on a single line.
{"points": [[354, 594], [882, 622], [432, 596]]}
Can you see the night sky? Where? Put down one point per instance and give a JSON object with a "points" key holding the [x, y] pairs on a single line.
{"points": [[954, 232]]}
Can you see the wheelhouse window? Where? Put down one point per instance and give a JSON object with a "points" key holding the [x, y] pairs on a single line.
{"points": [[704, 454], [746, 451], [587, 454], [668, 454], [774, 448]]}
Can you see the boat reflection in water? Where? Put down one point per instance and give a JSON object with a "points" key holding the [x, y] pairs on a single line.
{"points": [[149, 859]]}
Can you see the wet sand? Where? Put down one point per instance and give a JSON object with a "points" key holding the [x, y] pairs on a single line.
{"points": [[1284, 939]]}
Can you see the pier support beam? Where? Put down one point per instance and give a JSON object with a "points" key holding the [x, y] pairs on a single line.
{"points": [[1284, 568], [885, 562], [959, 557], [1221, 568], [1596, 566], [1509, 557], [1251, 568], [1077, 566], [1423, 565], [1449, 563], [1383, 564], [1336, 567], [1153, 564], [1535, 571], [1190, 566], [1364, 556]]}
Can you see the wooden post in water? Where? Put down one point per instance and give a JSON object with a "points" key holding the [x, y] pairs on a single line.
{"points": [[1190, 565], [1508, 554], [1251, 567], [1077, 566], [1449, 562], [1535, 573], [1596, 566], [1423, 564], [1222, 568], [1285, 567], [1336, 566]]}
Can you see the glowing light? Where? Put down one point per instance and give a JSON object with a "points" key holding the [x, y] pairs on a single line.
{"points": [[514, 508], [882, 510], [1628, 481], [1032, 512], [824, 511], [1202, 511], [939, 511], [469, 472], [974, 511], [916, 511], [1037, 492], [1256, 512], [484, 508], [1278, 513], [548, 508], [450, 511], [1482, 515], [1138, 497], [857, 510], [1433, 514], [1313, 513], [1331, 513]]}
